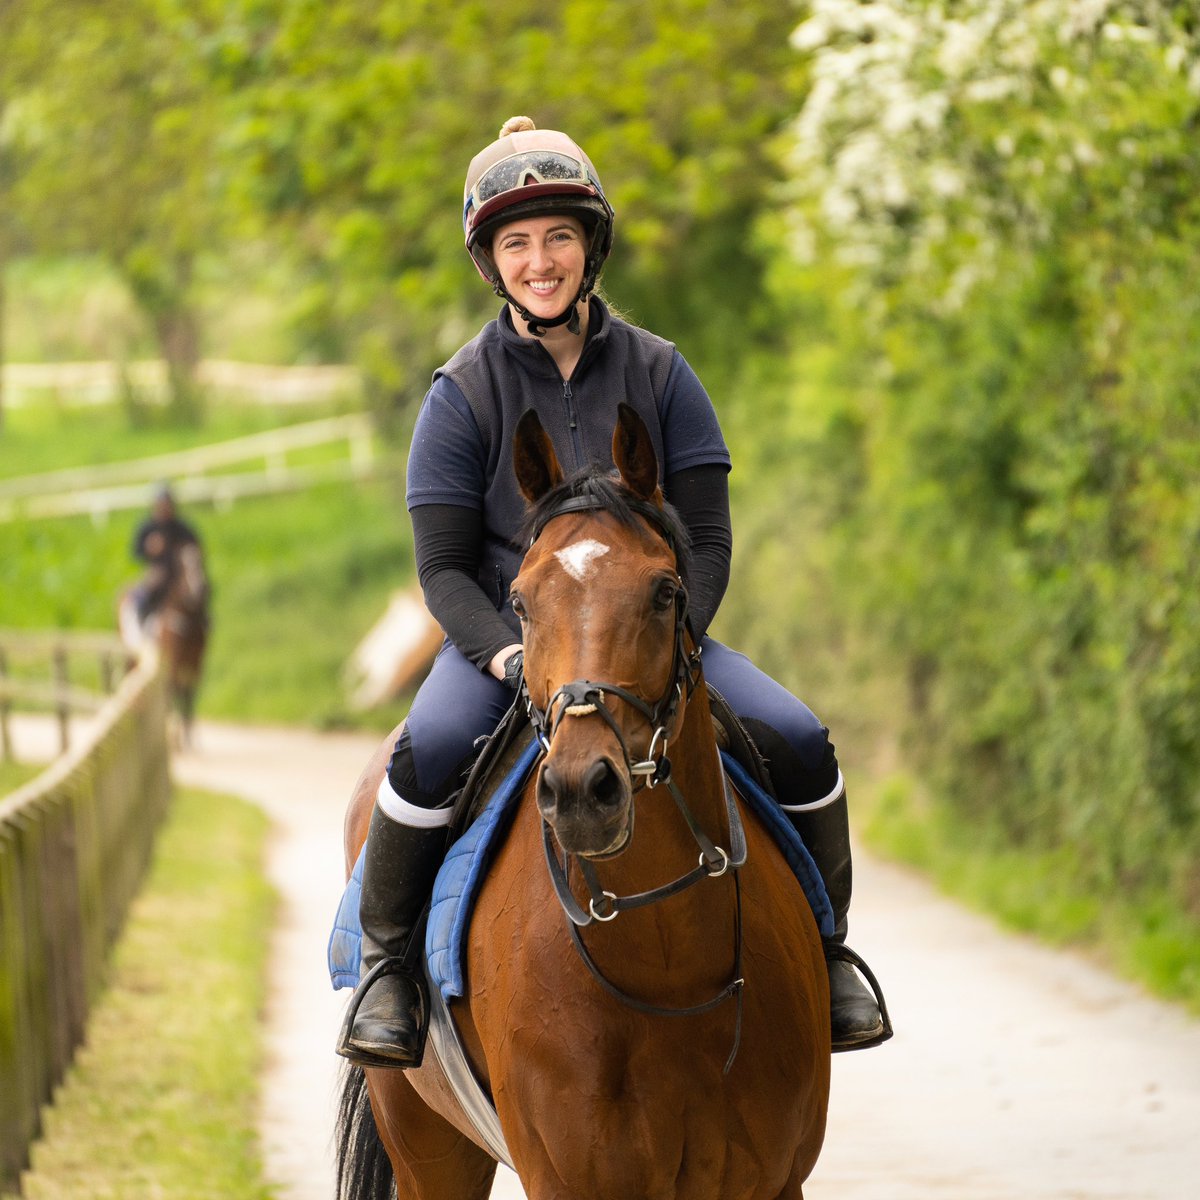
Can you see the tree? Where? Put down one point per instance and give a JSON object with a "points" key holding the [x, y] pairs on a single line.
{"points": [[14, 63], [117, 130]]}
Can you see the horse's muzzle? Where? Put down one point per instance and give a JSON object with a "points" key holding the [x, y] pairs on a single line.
{"points": [[588, 805]]}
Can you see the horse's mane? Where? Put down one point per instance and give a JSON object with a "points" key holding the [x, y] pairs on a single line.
{"points": [[610, 495]]}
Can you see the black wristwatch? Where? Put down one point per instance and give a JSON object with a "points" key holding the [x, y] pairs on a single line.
{"points": [[514, 669]]}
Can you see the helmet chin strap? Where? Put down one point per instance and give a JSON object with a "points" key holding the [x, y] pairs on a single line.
{"points": [[538, 325]]}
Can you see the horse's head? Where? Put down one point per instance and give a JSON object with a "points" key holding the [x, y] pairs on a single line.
{"points": [[602, 610]]}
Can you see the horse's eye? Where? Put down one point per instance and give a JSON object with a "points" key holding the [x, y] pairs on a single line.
{"points": [[517, 605], [664, 595]]}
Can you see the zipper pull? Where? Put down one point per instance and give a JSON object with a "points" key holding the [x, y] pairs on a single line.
{"points": [[570, 407]]}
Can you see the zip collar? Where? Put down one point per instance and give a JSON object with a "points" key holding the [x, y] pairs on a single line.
{"points": [[537, 359]]}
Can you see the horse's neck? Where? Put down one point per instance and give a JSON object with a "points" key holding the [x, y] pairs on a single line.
{"points": [[188, 575], [696, 761]]}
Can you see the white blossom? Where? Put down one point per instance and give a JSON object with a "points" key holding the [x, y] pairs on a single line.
{"points": [[873, 138], [1115, 32]]}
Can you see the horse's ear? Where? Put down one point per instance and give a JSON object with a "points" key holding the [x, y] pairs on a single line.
{"points": [[534, 459], [633, 452]]}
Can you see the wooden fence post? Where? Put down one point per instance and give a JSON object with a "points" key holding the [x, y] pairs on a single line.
{"points": [[107, 675], [63, 705]]}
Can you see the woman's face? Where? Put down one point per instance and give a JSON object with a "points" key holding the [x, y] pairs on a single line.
{"points": [[541, 261]]}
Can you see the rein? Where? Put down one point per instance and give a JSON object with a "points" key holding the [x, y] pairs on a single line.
{"points": [[583, 697]]}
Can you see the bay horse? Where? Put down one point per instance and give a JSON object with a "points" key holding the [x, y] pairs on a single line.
{"points": [[682, 1050], [183, 621]]}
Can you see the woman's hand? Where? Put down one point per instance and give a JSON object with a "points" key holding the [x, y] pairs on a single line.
{"points": [[496, 666]]}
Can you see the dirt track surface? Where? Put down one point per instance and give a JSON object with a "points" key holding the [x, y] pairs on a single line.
{"points": [[1016, 1071]]}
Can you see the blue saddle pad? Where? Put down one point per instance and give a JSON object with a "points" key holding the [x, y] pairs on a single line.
{"points": [[466, 863]]}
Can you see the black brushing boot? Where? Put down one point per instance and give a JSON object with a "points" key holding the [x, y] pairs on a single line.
{"points": [[858, 1019], [388, 1015]]}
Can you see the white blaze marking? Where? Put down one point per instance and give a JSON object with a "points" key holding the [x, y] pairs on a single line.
{"points": [[579, 560]]}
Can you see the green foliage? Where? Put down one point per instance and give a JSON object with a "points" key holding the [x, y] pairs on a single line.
{"points": [[161, 1101], [152, 131], [71, 309], [111, 134], [991, 251], [359, 120]]}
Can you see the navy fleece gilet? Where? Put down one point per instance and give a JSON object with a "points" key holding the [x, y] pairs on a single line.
{"points": [[462, 444]]}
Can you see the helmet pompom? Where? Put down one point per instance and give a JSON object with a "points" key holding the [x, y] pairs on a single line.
{"points": [[516, 125]]}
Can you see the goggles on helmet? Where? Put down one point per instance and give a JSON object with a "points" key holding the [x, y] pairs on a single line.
{"points": [[528, 173]]}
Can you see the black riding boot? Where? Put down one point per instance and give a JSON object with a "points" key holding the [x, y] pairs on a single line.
{"points": [[856, 1020], [388, 1016]]}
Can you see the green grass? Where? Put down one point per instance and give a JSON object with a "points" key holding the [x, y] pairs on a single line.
{"points": [[14, 774], [299, 580], [162, 1099], [1138, 933], [47, 436]]}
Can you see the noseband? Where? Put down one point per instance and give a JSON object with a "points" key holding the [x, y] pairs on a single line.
{"points": [[582, 697]]}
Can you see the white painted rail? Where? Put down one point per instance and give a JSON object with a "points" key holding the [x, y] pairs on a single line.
{"points": [[108, 487]]}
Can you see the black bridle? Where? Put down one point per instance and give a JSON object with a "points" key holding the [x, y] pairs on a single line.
{"points": [[582, 697]]}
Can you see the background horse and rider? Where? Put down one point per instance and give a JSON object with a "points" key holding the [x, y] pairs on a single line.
{"points": [[646, 995], [183, 623], [170, 608]]}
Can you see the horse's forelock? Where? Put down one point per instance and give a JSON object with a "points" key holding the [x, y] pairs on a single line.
{"points": [[613, 497]]}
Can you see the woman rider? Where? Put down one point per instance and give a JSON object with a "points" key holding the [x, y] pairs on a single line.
{"points": [[539, 228]]}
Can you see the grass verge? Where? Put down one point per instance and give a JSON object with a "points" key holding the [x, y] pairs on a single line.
{"points": [[161, 1101], [1139, 934], [13, 774]]}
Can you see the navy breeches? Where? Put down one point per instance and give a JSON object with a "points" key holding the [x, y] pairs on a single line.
{"points": [[458, 704]]}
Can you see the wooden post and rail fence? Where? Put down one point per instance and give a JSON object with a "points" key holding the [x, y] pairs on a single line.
{"points": [[74, 846]]}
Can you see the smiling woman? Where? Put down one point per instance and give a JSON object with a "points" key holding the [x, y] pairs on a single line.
{"points": [[539, 229]]}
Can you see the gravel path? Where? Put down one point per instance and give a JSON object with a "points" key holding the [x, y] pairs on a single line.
{"points": [[1015, 1072]]}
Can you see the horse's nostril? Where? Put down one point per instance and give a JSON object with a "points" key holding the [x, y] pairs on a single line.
{"points": [[603, 784], [597, 788], [548, 786]]}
